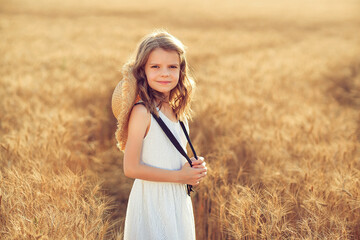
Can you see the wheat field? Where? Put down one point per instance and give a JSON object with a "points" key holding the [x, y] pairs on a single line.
{"points": [[276, 115]]}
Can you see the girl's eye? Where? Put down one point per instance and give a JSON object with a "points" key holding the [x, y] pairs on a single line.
{"points": [[173, 66], [154, 66]]}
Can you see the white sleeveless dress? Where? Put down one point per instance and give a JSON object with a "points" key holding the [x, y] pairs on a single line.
{"points": [[160, 210]]}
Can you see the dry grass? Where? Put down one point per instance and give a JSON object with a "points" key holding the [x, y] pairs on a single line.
{"points": [[277, 116]]}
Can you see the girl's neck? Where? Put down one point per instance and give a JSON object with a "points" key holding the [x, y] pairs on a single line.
{"points": [[167, 109], [165, 103]]}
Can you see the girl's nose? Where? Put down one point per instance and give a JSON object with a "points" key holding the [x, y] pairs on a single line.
{"points": [[165, 73]]}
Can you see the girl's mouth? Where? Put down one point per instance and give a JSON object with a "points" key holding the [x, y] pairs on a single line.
{"points": [[164, 82]]}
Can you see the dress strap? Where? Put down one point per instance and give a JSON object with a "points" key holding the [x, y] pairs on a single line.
{"points": [[139, 103]]}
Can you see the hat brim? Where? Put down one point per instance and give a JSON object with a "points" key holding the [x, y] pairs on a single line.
{"points": [[123, 99]]}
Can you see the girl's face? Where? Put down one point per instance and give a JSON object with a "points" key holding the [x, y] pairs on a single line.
{"points": [[162, 70]]}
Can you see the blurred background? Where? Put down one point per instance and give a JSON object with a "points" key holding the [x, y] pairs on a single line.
{"points": [[276, 115]]}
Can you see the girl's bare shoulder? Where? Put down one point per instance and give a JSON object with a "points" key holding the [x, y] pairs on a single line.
{"points": [[139, 113], [139, 120]]}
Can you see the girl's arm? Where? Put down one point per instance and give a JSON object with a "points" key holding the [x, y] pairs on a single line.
{"points": [[138, 123]]}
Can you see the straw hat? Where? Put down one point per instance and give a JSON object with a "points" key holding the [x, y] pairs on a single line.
{"points": [[124, 97]]}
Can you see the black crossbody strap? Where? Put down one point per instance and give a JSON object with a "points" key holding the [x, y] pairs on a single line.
{"points": [[172, 138], [175, 142], [188, 138]]}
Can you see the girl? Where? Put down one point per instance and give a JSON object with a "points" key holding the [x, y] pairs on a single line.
{"points": [[157, 81]]}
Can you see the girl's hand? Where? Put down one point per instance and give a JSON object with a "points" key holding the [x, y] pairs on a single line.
{"points": [[193, 175], [199, 163]]}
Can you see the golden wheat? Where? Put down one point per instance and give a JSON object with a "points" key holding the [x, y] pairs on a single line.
{"points": [[277, 116]]}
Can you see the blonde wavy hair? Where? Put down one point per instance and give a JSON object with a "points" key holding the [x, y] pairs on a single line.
{"points": [[181, 96]]}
